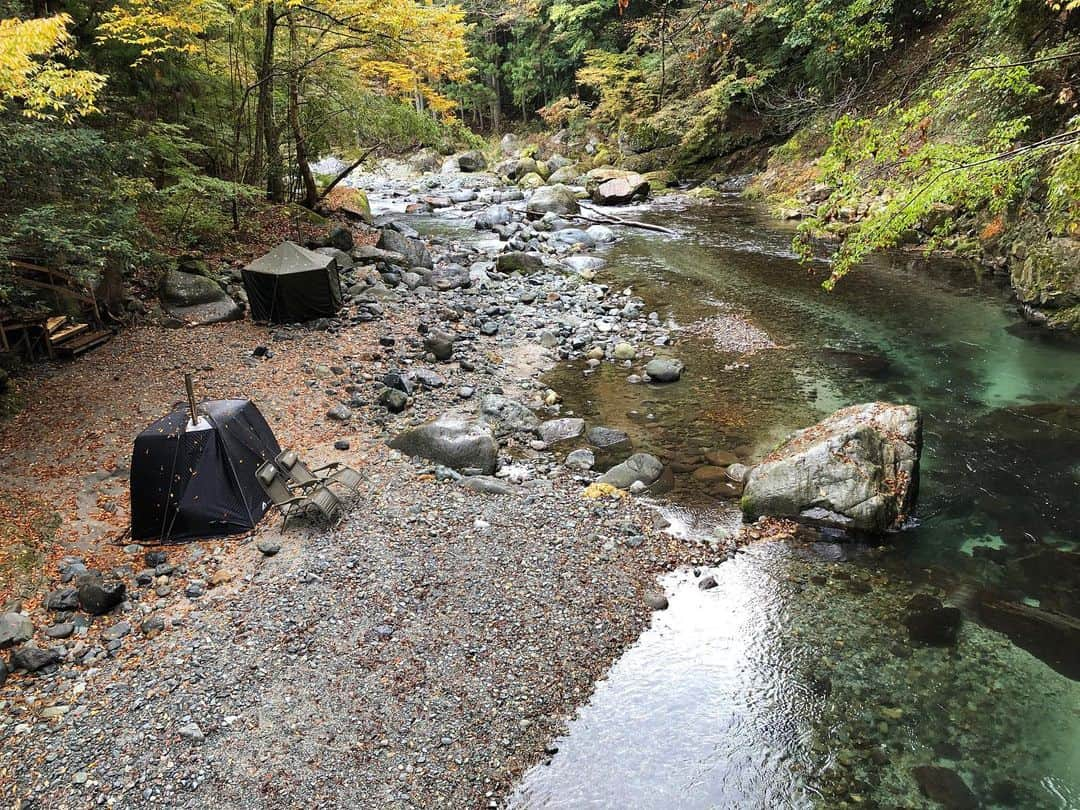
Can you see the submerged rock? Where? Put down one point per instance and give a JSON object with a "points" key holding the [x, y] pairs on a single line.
{"points": [[461, 444], [664, 369], [559, 430], [944, 786], [855, 470]]}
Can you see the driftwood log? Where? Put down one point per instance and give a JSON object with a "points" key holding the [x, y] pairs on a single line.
{"points": [[1052, 637], [598, 218]]}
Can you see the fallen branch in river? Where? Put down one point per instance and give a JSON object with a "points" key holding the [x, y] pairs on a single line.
{"points": [[611, 219]]}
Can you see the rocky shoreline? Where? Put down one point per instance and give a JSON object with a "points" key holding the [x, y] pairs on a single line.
{"points": [[427, 650]]}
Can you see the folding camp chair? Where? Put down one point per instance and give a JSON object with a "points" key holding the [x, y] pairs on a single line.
{"points": [[303, 476], [317, 498]]}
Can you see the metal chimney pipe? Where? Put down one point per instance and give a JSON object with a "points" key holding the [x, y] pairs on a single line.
{"points": [[191, 398]]}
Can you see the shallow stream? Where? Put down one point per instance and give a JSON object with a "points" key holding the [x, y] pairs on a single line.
{"points": [[793, 683]]}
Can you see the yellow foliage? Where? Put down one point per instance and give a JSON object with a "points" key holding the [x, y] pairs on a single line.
{"points": [[405, 47], [32, 76], [598, 490], [159, 27]]}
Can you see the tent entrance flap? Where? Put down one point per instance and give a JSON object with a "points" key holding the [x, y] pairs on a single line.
{"points": [[192, 483]]}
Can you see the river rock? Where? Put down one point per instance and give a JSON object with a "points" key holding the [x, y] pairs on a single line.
{"points": [[600, 233], [62, 599], [33, 658], [639, 467], [664, 369], [14, 629], [621, 190], [517, 168], [461, 444], [441, 344], [554, 199], [519, 262], [472, 161], [554, 431], [196, 299], [393, 400], [487, 484], [564, 175], [508, 415], [98, 597], [491, 216], [857, 470], [945, 786], [582, 460], [414, 250], [605, 437], [584, 264]]}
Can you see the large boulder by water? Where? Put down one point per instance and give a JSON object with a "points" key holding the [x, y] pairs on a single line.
{"points": [[639, 467], [462, 444], [352, 202], [621, 190], [472, 161], [414, 250], [196, 299], [855, 470], [556, 199], [1047, 282]]}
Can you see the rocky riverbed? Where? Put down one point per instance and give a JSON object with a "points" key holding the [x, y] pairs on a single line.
{"points": [[424, 651]]}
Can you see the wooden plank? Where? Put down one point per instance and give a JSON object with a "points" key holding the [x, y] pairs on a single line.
{"points": [[54, 323], [69, 332], [85, 343]]}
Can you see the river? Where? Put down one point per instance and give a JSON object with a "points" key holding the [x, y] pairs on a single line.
{"points": [[792, 683]]}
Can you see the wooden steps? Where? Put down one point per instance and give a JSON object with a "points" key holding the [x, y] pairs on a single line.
{"points": [[70, 339]]}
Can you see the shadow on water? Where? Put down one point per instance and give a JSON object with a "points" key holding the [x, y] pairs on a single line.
{"points": [[785, 686]]}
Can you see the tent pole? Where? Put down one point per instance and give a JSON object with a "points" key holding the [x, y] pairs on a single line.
{"points": [[191, 398]]}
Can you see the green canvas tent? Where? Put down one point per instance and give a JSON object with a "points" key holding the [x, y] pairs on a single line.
{"points": [[291, 283]]}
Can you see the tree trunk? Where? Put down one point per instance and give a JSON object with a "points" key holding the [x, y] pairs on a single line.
{"points": [[496, 103], [265, 125], [311, 190]]}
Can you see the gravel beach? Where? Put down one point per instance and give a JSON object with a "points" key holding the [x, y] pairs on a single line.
{"points": [[424, 651]]}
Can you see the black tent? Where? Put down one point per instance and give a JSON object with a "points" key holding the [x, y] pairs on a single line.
{"points": [[291, 283], [190, 481]]}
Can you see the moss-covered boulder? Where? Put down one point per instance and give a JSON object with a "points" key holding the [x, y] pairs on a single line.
{"points": [[1049, 277], [531, 180], [664, 178]]}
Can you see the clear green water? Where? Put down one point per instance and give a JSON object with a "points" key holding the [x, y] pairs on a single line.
{"points": [[769, 691]]}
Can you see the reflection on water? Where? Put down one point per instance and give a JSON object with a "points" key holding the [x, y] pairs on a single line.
{"points": [[793, 684], [999, 517], [702, 712]]}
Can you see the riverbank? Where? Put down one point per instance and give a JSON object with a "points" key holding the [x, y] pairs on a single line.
{"points": [[423, 653], [436, 644]]}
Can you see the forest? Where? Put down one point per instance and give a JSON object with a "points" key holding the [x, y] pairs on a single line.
{"points": [[540, 403], [140, 129]]}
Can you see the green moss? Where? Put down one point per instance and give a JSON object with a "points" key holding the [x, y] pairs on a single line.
{"points": [[1066, 320]]}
